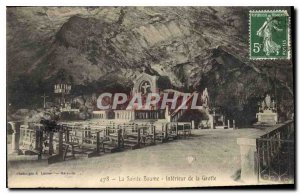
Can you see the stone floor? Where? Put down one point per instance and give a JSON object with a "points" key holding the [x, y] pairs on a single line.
{"points": [[208, 153]]}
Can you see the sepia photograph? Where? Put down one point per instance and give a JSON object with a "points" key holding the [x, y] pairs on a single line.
{"points": [[150, 96]]}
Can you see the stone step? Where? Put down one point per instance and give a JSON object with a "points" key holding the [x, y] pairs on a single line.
{"points": [[29, 152], [130, 140], [131, 145], [108, 147], [172, 135], [132, 136], [83, 150], [159, 138], [113, 137], [111, 149], [16, 157], [86, 145]]}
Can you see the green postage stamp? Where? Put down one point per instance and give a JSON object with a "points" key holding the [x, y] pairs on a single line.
{"points": [[269, 34]]}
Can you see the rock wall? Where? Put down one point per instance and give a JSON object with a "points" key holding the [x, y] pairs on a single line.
{"points": [[105, 48]]}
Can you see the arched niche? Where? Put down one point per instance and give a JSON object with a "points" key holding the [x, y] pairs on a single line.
{"points": [[144, 84]]}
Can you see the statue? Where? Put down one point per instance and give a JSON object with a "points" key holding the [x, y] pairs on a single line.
{"points": [[267, 111], [268, 101], [267, 104], [146, 88], [205, 98], [266, 31]]}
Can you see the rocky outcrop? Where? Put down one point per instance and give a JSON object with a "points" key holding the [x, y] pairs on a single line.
{"points": [[105, 48]]}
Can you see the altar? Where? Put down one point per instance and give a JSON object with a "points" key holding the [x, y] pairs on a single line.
{"points": [[267, 112], [267, 117]]}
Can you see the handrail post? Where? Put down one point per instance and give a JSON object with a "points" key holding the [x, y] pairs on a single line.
{"points": [[119, 138], [40, 143], [154, 135], [138, 136], [50, 143], [123, 135], [248, 153], [60, 143], [98, 142], [165, 132], [82, 137], [68, 135]]}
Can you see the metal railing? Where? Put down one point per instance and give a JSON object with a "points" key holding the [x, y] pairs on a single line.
{"points": [[276, 154]]}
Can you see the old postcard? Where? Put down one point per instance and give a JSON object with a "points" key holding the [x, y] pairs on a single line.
{"points": [[150, 97]]}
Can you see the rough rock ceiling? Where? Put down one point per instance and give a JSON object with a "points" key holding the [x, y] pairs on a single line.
{"points": [[195, 47]]}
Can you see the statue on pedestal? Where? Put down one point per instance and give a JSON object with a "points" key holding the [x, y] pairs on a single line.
{"points": [[267, 111], [267, 104], [267, 101]]}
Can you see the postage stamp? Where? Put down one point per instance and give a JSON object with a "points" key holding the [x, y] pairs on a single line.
{"points": [[269, 34]]}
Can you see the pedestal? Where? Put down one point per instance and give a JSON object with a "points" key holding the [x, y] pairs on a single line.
{"points": [[211, 121], [15, 126], [249, 171], [267, 117]]}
